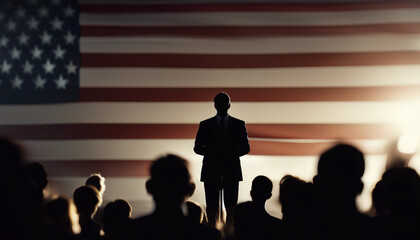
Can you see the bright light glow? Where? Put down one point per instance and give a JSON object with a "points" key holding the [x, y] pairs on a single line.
{"points": [[415, 162], [408, 143]]}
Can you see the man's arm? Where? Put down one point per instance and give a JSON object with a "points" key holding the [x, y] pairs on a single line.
{"points": [[200, 146], [243, 147]]}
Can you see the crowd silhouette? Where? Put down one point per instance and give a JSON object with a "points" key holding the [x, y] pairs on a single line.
{"points": [[322, 209]]}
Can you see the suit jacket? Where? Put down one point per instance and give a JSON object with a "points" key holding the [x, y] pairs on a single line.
{"points": [[221, 151]]}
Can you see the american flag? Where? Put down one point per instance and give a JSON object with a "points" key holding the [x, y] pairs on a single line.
{"points": [[302, 76]]}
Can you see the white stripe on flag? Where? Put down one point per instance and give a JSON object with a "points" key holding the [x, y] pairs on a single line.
{"points": [[251, 112], [266, 45], [351, 76], [253, 18]]}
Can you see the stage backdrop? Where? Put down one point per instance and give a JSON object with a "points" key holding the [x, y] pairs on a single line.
{"points": [[109, 87]]}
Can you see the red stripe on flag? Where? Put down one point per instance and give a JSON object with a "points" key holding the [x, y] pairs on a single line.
{"points": [[250, 60], [248, 31], [245, 7], [188, 131], [273, 148], [250, 94]]}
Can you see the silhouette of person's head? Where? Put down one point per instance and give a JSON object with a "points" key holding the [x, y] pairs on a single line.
{"points": [[11, 156], [295, 197], [340, 170], [378, 199], [87, 199], [118, 210], [401, 189], [114, 215], [170, 181], [38, 175], [97, 181], [261, 189], [222, 103], [57, 213]]}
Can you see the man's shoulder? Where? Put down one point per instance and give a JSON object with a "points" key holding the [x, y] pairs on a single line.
{"points": [[236, 120], [208, 121]]}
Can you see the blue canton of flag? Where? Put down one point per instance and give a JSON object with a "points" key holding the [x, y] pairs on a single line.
{"points": [[39, 51]]}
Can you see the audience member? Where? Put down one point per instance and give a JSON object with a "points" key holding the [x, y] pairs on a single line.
{"points": [[20, 208], [251, 219], [169, 184], [115, 214], [57, 212], [96, 180], [297, 205], [58, 218], [401, 203], [87, 199], [337, 185]]}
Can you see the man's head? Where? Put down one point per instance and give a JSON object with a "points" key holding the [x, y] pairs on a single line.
{"points": [[340, 169], [222, 103], [261, 189], [87, 199], [96, 180], [170, 181]]}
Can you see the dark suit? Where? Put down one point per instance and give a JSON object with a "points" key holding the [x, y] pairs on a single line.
{"points": [[221, 164]]}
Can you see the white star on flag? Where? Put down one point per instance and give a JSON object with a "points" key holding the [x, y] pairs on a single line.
{"points": [[71, 68], [15, 53], [11, 26], [3, 41], [17, 82], [36, 52], [45, 38], [59, 52], [39, 82], [48, 66], [57, 24], [33, 24], [69, 38], [69, 11], [23, 39], [20, 13], [27, 67], [43, 12], [61, 82], [5, 67]]}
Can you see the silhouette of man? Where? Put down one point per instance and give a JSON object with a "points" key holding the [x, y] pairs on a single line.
{"points": [[339, 181], [252, 221], [221, 139], [170, 184]]}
